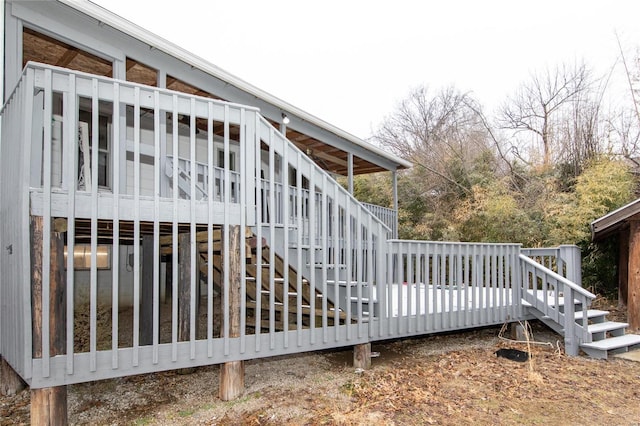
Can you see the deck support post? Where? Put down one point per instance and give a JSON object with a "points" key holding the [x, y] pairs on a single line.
{"points": [[232, 373], [633, 290], [146, 296], [10, 382], [48, 405], [184, 286], [362, 356]]}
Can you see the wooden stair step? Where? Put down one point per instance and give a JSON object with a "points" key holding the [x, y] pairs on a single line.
{"points": [[329, 265], [343, 283], [614, 342], [306, 309], [606, 326], [591, 313]]}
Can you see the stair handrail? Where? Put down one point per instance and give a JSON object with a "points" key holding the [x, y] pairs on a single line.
{"points": [[360, 268], [573, 335]]}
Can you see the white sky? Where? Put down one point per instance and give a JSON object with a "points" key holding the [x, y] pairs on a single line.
{"points": [[349, 62]]}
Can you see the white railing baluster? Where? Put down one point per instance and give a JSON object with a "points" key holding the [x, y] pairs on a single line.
{"points": [[136, 225], [174, 233], [156, 226], [115, 246], [210, 212], [194, 276], [95, 142], [46, 229], [69, 148]]}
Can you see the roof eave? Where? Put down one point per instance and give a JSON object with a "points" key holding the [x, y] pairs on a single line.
{"points": [[109, 18]]}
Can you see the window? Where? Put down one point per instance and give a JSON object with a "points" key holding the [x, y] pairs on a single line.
{"points": [[232, 160], [85, 151]]}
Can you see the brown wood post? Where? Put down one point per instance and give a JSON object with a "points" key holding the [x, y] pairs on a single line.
{"points": [[633, 295], [146, 294], [10, 382], [232, 373], [184, 286], [623, 266], [362, 356], [48, 405]]}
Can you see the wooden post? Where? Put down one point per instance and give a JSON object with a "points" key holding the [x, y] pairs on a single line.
{"points": [[633, 291], [232, 373], [623, 266], [48, 405], [362, 356], [10, 382], [146, 314], [184, 286]]}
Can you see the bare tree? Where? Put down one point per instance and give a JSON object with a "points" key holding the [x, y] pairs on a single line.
{"points": [[541, 104], [440, 132]]}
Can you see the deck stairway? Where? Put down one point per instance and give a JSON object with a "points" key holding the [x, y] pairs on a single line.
{"points": [[285, 295], [604, 337]]}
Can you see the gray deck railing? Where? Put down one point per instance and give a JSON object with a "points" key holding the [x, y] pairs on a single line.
{"points": [[564, 260], [440, 286], [386, 215], [319, 270], [557, 297]]}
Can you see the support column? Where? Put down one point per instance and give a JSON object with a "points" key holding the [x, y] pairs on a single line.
{"points": [[623, 267], [232, 373], [48, 405], [633, 291], [146, 294], [184, 286], [362, 356], [394, 176], [350, 172]]}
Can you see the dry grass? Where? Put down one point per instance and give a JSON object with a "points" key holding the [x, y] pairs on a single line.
{"points": [[452, 379]]}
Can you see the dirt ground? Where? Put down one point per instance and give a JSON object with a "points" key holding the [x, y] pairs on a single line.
{"points": [[442, 379]]}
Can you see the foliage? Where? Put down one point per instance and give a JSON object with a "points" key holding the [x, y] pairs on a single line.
{"points": [[472, 181]]}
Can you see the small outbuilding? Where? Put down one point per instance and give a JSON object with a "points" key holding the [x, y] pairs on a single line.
{"points": [[625, 223]]}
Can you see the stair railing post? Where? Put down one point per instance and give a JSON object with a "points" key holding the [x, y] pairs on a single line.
{"points": [[571, 344], [570, 255]]}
